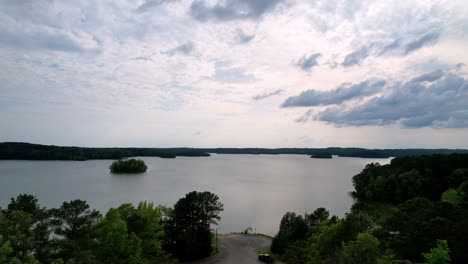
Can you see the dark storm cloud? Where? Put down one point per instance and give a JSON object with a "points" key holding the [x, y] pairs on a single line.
{"points": [[266, 95], [420, 42], [308, 62], [412, 104], [338, 95], [184, 49], [231, 9], [355, 57]]}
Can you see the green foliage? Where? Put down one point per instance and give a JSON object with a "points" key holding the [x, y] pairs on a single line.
{"points": [[145, 223], [363, 250], [450, 196], [463, 194], [402, 210], [417, 223], [189, 229], [74, 233], [114, 244], [24, 225], [406, 178], [292, 228], [5, 250], [439, 254], [128, 166], [74, 223]]}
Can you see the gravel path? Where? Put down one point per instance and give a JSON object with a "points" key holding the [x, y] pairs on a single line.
{"points": [[236, 249]]}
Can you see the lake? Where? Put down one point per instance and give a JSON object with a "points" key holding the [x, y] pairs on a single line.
{"points": [[256, 190]]}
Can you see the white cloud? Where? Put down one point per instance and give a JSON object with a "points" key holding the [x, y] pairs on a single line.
{"points": [[110, 61]]}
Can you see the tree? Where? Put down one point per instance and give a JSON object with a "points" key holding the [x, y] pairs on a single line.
{"points": [[26, 203], [450, 196], [193, 216], [292, 228], [114, 244], [5, 250], [25, 225], [463, 194], [319, 215], [439, 254], [74, 222], [363, 250], [144, 222]]}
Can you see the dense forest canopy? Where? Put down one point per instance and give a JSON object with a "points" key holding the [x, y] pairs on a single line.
{"points": [[414, 210], [74, 233], [405, 178], [27, 151]]}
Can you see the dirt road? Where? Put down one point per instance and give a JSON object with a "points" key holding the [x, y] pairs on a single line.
{"points": [[235, 249]]}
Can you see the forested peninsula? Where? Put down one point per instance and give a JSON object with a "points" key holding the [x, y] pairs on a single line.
{"points": [[413, 210], [28, 151]]}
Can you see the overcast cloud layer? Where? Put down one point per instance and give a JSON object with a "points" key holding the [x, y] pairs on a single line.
{"points": [[234, 73]]}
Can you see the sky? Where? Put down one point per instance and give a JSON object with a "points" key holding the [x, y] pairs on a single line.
{"points": [[235, 73]]}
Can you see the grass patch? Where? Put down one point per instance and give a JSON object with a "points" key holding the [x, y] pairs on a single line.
{"points": [[265, 251]]}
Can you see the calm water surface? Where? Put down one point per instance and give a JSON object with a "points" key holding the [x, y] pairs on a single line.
{"points": [[256, 190]]}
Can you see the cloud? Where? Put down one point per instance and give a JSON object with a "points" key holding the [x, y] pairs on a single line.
{"points": [[441, 103], [266, 95], [355, 57], [243, 38], [184, 49], [338, 95], [390, 47], [460, 66], [39, 37], [149, 4], [228, 74], [231, 9], [142, 58], [308, 62], [420, 42], [429, 77], [406, 46], [305, 117]]}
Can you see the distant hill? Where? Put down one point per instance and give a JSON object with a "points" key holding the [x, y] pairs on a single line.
{"points": [[28, 151]]}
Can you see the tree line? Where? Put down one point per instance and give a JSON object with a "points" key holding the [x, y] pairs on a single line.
{"points": [[28, 151], [74, 233], [414, 210]]}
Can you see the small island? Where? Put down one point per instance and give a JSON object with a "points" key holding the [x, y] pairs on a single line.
{"points": [[128, 166], [321, 156]]}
